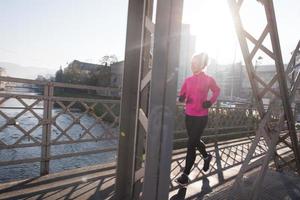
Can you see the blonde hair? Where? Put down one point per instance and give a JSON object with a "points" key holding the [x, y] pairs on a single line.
{"points": [[199, 62]]}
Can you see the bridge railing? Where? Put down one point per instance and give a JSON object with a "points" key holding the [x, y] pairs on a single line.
{"points": [[58, 121], [61, 122], [224, 122]]}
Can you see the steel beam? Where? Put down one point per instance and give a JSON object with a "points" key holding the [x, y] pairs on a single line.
{"points": [[269, 9], [46, 136], [146, 134], [145, 76], [270, 135], [126, 150], [162, 99]]}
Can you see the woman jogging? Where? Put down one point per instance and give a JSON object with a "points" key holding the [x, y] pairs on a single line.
{"points": [[194, 93]]}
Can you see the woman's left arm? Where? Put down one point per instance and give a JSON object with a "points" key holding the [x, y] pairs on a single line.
{"points": [[215, 89]]}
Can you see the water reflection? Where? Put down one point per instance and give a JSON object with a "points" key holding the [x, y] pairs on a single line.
{"points": [[29, 122]]}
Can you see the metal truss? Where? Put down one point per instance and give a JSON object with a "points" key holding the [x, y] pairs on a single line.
{"points": [[279, 110], [149, 90], [293, 78], [148, 106], [291, 68]]}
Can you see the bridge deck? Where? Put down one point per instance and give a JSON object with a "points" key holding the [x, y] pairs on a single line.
{"points": [[276, 186], [97, 182]]}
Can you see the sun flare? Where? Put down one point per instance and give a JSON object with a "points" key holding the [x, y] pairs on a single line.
{"points": [[212, 24]]}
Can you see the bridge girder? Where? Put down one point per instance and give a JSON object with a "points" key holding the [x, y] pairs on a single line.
{"points": [[149, 94]]}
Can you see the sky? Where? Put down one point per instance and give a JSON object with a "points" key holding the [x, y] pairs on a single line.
{"points": [[211, 22], [52, 33]]}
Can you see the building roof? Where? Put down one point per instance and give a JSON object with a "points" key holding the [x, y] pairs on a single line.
{"points": [[86, 66]]}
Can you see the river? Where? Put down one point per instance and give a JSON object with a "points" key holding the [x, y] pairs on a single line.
{"points": [[27, 121]]}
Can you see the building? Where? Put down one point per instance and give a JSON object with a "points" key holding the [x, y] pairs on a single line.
{"points": [[87, 73], [114, 71], [97, 75], [187, 49], [266, 73], [84, 66], [230, 78], [234, 81], [116, 79], [2, 83]]}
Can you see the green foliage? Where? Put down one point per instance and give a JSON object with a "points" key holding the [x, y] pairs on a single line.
{"points": [[99, 77], [59, 75], [108, 60]]}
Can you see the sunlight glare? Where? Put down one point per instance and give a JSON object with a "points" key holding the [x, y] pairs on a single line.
{"points": [[211, 23]]}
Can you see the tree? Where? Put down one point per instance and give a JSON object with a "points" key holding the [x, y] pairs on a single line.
{"points": [[41, 78], [59, 75], [107, 60], [100, 77]]}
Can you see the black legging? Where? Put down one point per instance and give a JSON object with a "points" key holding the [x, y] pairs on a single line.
{"points": [[195, 127]]}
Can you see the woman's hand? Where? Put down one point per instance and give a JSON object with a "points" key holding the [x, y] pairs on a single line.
{"points": [[181, 98], [206, 104]]}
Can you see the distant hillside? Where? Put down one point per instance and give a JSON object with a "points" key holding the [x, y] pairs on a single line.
{"points": [[19, 71]]}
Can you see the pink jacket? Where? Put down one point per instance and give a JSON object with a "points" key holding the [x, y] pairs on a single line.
{"points": [[195, 90]]}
